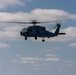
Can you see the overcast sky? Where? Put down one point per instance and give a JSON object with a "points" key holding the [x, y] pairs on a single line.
{"points": [[56, 56]]}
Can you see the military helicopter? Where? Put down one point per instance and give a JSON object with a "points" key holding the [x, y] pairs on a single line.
{"points": [[38, 31]]}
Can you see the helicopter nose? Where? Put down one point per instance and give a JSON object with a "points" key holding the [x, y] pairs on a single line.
{"points": [[21, 33]]}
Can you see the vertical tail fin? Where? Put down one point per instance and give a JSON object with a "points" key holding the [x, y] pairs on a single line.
{"points": [[57, 29]]}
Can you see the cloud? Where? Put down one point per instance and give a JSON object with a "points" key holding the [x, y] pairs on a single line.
{"points": [[9, 35], [72, 44], [13, 28], [51, 55], [33, 60], [7, 3], [70, 33], [52, 59], [14, 61], [52, 14], [4, 45], [18, 55], [37, 14]]}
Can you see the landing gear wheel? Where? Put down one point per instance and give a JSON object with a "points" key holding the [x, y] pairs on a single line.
{"points": [[25, 38], [35, 38], [48, 37], [43, 40]]}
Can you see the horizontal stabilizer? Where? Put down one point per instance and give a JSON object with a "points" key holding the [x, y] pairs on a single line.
{"points": [[61, 33]]}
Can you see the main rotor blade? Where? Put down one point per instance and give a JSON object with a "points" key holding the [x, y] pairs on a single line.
{"points": [[33, 22], [47, 22], [18, 22]]}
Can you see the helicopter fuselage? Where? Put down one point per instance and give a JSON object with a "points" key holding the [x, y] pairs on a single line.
{"points": [[39, 31], [36, 31]]}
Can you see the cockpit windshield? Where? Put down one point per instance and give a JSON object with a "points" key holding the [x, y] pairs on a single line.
{"points": [[24, 29]]}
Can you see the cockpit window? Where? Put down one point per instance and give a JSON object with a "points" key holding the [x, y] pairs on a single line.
{"points": [[24, 29], [29, 29]]}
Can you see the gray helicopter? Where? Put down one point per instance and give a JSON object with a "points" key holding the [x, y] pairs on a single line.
{"points": [[38, 31]]}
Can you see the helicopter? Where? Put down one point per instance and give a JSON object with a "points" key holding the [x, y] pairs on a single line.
{"points": [[38, 31]]}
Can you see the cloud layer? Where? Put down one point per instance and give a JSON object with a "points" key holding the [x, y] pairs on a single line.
{"points": [[3, 45], [7, 3], [34, 60], [37, 14], [72, 45]]}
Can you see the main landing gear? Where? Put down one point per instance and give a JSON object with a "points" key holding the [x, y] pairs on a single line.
{"points": [[35, 38], [43, 40], [25, 38]]}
